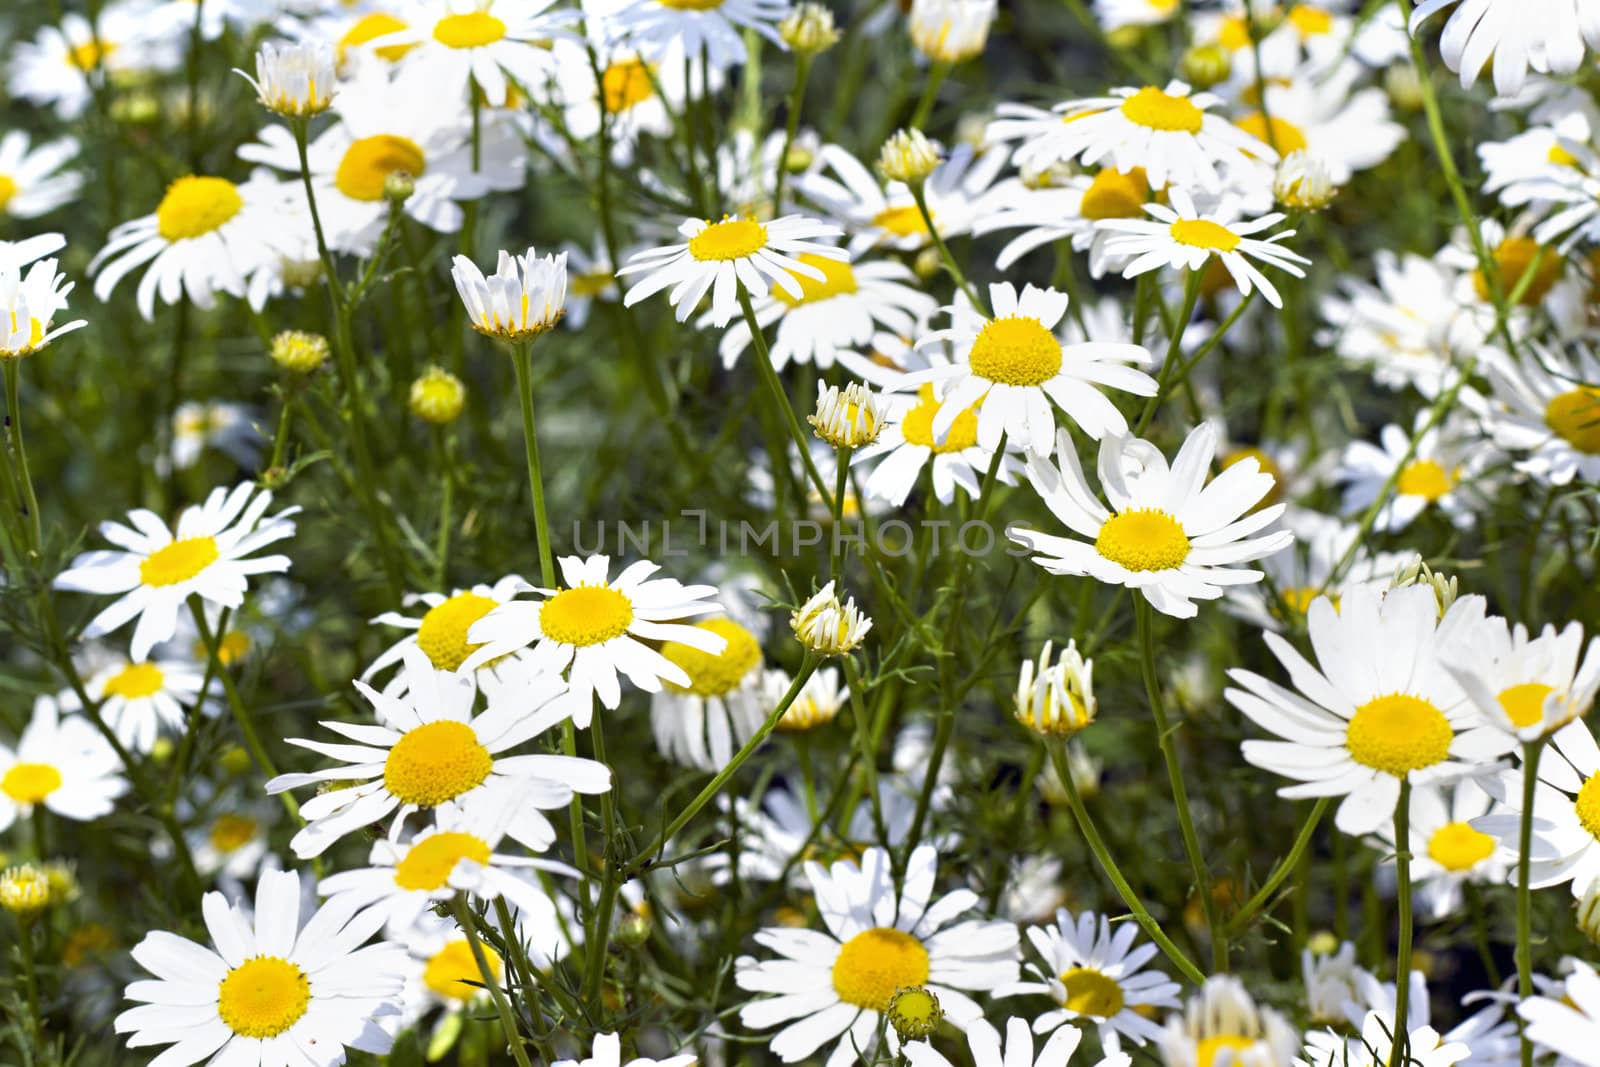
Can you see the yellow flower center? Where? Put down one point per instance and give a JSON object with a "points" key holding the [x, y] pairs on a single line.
{"points": [[428, 863], [370, 27], [443, 633], [1424, 478], [1115, 195], [263, 997], [1398, 734], [472, 30], [729, 239], [917, 426], [837, 280], [179, 561], [232, 832], [1144, 539], [370, 160], [1299, 599], [1203, 233], [1234, 33], [8, 189], [90, 54], [1091, 993], [1284, 135], [134, 681], [1310, 20], [1154, 109], [904, 221], [627, 84], [1515, 257], [1016, 350], [711, 674], [1575, 417], [589, 283], [29, 783], [1456, 846], [453, 974], [691, 5], [436, 762], [234, 646], [875, 964], [587, 615], [194, 206], [1524, 704], [1561, 157], [1227, 1046], [1587, 806]]}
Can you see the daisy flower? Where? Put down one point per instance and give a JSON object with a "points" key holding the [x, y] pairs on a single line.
{"points": [[1566, 811], [950, 31], [836, 985], [1223, 1020], [1182, 236], [1447, 851], [1306, 569], [607, 1052], [1168, 132], [523, 298], [635, 95], [1568, 1025], [1322, 114], [711, 29], [53, 69], [591, 277], [429, 751], [392, 123], [1011, 368], [441, 632], [1546, 408], [1547, 36], [268, 991], [1491, 1037], [1527, 687], [843, 310], [1375, 1047], [1376, 707], [139, 697], [62, 763], [1444, 472], [29, 303], [232, 844], [1330, 980], [728, 254], [1172, 537], [1066, 212], [702, 723], [207, 235], [1097, 976], [1117, 14], [32, 182], [231, 429], [908, 444], [454, 855], [210, 554], [987, 1051], [490, 44]]}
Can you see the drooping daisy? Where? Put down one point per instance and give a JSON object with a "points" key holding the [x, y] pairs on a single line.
{"points": [[429, 751], [1182, 236], [595, 628], [1168, 533], [1377, 706], [1447, 851], [268, 991], [61, 762], [210, 554], [29, 303], [1095, 975], [1169, 133], [710, 29], [441, 632], [836, 985], [1568, 1025], [54, 68], [702, 723], [208, 235], [137, 698], [987, 1051], [1222, 1022], [909, 443], [1545, 407], [1547, 36], [608, 1053], [842, 311], [389, 123], [1527, 687], [32, 182], [490, 44], [719, 257], [1444, 473], [1308, 568]]}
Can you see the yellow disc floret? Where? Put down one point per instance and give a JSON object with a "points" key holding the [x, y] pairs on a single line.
{"points": [[1398, 733], [917, 425], [1143, 539], [1524, 704], [729, 239], [1203, 233], [29, 783], [1212, 1048], [194, 206], [715, 674], [1016, 350], [877, 963], [1091, 993], [232, 832], [904, 221], [1456, 846], [1587, 806], [586, 615], [1516, 257], [135, 681], [453, 973], [369, 161], [1281, 134], [369, 28], [1155, 110], [263, 997], [1574, 416], [436, 762], [627, 84], [443, 633], [1115, 195], [837, 280], [179, 561], [471, 30], [1425, 478], [427, 865]]}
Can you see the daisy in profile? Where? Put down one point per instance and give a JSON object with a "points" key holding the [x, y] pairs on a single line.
{"points": [[1447, 850], [428, 751], [232, 429], [138, 698], [211, 554], [852, 302], [441, 632], [1116, 14], [54, 68], [908, 445], [1013, 367], [702, 723], [62, 763], [1097, 976], [1527, 686], [1443, 473], [835, 985], [987, 1051], [1377, 706], [711, 29], [608, 1053], [1544, 407], [29, 303], [1547, 36], [1173, 537], [269, 989], [1169, 133], [720, 257], [524, 297], [1223, 1019], [32, 181], [489, 44], [394, 123], [207, 235], [1567, 1025], [1183, 236]]}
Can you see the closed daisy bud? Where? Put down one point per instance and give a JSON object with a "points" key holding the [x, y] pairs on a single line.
{"points": [[1205, 65], [633, 929], [809, 29], [907, 156], [25, 890], [293, 79], [298, 351], [523, 298], [1302, 182], [914, 1012], [827, 627], [62, 879], [1404, 86], [950, 31], [1589, 913], [1417, 572], [437, 396], [848, 417], [1056, 699], [398, 186]]}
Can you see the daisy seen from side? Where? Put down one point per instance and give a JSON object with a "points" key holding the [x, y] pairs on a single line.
{"points": [[62, 763]]}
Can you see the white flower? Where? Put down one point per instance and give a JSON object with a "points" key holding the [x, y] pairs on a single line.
{"points": [[1330, 980], [908, 444], [710, 28], [1306, 569], [62, 763], [608, 1053], [229, 428], [1545, 406], [137, 698], [951, 31], [457, 44], [1543, 35], [1527, 687], [211, 554], [293, 79], [1321, 113], [1172, 536], [1066, 211], [1569, 1025], [817, 704], [1377, 706], [703, 721], [1447, 850], [54, 68], [984, 1040], [1056, 699], [1444, 472], [1223, 1020], [1096, 976], [827, 627], [28, 306], [1566, 811], [267, 992], [522, 299], [1374, 1048], [32, 182], [847, 418], [441, 632], [1490, 1037], [880, 938]]}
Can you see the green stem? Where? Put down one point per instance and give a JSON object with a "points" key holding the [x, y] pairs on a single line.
{"points": [[280, 440], [1530, 780], [797, 97], [508, 1023], [780, 399], [30, 502], [521, 358], [1169, 366], [1402, 964], [930, 92], [30, 981], [944, 250], [1281, 872], [841, 475]]}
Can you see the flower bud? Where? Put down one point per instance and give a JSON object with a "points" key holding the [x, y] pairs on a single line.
{"points": [[848, 417], [1302, 182], [1056, 700], [809, 29], [293, 79], [299, 352], [398, 185], [914, 1012], [1205, 65], [827, 627], [437, 397], [907, 156], [25, 890]]}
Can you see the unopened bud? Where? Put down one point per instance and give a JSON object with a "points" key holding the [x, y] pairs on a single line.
{"points": [[398, 185], [437, 397], [298, 351], [908, 156], [914, 1012], [1205, 65], [1302, 182], [809, 29]]}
